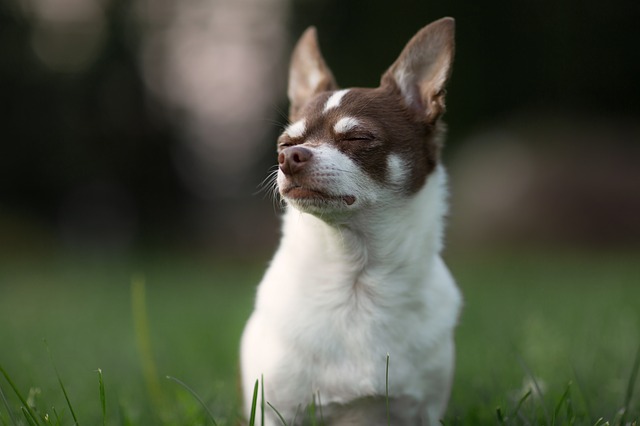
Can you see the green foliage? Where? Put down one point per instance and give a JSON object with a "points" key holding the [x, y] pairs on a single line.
{"points": [[252, 417], [196, 396], [543, 339], [64, 390], [103, 397]]}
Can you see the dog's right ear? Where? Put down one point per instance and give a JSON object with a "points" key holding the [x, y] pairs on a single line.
{"points": [[308, 73], [423, 68]]}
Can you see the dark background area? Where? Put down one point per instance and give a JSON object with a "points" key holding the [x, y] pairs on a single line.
{"points": [[88, 154]]}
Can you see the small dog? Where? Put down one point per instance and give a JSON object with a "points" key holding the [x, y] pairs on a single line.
{"points": [[358, 274]]}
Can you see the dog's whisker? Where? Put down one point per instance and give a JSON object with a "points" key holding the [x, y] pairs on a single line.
{"points": [[269, 185], [282, 114]]}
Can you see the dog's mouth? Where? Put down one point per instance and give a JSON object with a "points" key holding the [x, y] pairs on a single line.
{"points": [[304, 194]]}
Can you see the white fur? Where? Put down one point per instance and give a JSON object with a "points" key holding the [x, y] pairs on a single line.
{"points": [[397, 168], [335, 99], [344, 291], [345, 124], [337, 175], [297, 129]]}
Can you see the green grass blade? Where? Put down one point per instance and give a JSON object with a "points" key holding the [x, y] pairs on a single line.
{"points": [[29, 416], [311, 410], [563, 398], [571, 418], [55, 412], [630, 387], [123, 417], [522, 400], [252, 417], [537, 388], [6, 404], [103, 398], [295, 416], [26, 408], [143, 341], [66, 397], [262, 399], [500, 416], [583, 394], [64, 390], [386, 390], [196, 396], [320, 409], [284, 423]]}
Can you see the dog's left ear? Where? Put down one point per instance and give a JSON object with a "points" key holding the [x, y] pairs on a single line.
{"points": [[308, 73], [423, 68]]}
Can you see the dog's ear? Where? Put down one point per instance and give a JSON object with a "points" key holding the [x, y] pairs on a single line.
{"points": [[308, 73], [423, 68]]}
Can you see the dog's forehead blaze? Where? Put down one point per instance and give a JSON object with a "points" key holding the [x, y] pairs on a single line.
{"points": [[382, 112]]}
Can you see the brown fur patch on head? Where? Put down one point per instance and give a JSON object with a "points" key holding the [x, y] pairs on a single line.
{"points": [[397, 129], [386, 125]]}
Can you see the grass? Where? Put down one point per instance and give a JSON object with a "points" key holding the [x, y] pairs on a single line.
{"points": [[544, 339]]}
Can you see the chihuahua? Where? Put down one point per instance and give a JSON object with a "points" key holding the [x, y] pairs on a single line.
{"points": [[357, 307]]}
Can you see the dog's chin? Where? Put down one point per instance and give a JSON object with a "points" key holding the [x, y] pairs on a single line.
{"points": [[316, 201]]}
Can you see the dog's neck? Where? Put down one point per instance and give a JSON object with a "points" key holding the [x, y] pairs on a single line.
{"points": [[381, 241]]}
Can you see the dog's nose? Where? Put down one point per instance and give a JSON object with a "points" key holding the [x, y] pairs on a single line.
{"points": [[293, 159]]}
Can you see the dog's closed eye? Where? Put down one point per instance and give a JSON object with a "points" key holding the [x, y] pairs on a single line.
{"points": [[285, 141], [357, 137]]}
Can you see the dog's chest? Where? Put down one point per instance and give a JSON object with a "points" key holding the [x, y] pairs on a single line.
{"points": [[337, 324]]}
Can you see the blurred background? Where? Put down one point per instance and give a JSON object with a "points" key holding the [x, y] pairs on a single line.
{"points": [[135, 124], [135, 134]]}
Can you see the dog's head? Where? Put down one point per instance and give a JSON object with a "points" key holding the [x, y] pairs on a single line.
{"points": [[354, 148]]}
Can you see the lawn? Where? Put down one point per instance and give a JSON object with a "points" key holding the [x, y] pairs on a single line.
{"points": [[544, 338]]}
